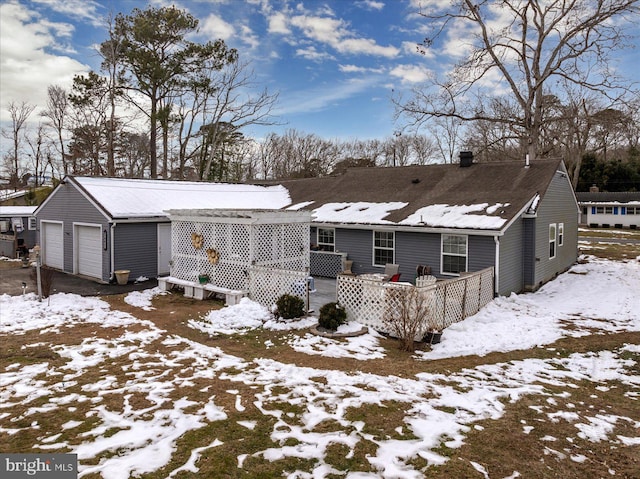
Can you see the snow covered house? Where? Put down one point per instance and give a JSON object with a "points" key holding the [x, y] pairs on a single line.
{"points": [[17, 230], [521, 219], [95, 226], [599, 209]]}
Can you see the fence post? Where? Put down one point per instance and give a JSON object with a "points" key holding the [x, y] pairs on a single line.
{"points": [[463, 312]]}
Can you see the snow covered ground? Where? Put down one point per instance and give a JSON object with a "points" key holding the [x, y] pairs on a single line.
{"points": [[131, 423]]}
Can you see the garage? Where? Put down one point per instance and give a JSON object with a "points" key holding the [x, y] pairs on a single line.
{"points": [[52, 244], [88, 250]]}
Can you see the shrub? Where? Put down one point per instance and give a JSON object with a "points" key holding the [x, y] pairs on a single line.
{"points": [[46, 279], [332, 316], [290, 306]]}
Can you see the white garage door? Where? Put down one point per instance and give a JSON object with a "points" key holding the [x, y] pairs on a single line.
{"points": [[52, 244], [88, 251]]}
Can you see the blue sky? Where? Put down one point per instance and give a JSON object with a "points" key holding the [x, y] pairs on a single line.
{"points": [[334, 63]]}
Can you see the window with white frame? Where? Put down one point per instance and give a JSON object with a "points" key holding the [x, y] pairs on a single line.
{"points": [[560, 234], [552, 240], [454, 254], [600, 210], [326, 239], [383, 247], [33, 223], [608, 210]]}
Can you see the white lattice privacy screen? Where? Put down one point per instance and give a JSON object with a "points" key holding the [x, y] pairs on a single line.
{"points": [[223, 244], [447, 302]]}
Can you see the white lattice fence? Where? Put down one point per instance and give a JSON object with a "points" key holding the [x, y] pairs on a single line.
{"points": [[223, 254], [266, 285], [225, 244], [327, 264], [446, 302]]}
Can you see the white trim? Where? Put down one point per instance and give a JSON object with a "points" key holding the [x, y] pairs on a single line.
{"points": [[466, 254], [496, 271], [560, 234], [43, 238], [373, 247], [409, 229], [319, 244], [554, 241], [76, 247], [159, 262], [32, 223]]}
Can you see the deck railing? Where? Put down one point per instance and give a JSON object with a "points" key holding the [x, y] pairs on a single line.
{"points": [[369, 301]]}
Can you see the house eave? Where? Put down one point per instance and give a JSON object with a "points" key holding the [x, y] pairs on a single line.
{"points": [[410, 229]]}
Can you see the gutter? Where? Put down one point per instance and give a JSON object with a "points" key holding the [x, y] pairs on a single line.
{"points": [[496, 273], [112, 253]]}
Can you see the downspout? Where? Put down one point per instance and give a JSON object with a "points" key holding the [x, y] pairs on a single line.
{"points": [[496, 272], [112, 253]]}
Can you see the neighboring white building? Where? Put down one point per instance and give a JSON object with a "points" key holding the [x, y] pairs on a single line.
{"points": [[609, 210]]}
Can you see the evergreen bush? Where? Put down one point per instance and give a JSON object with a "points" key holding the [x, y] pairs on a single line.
{"points": [[290, 306], [332, 315]]}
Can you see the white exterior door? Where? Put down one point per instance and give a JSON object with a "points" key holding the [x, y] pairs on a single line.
{"points": [[52, 245], [88, 250], [164, 248]]}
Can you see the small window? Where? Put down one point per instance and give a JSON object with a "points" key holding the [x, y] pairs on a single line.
{"points": [[608, 210], [383, 247], [454, 254], [600, 210], [631, 210], [560, 234], [33, 223], [552, 241], [326, 239]]}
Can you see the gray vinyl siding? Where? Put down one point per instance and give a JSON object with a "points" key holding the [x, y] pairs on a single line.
{"points": [[411, 250], [68, 205], [136, 249], [511, 264], [558, 205], [529, 252]]}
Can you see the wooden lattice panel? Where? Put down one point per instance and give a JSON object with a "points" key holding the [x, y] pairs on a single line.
{"points": [[266, 285]]}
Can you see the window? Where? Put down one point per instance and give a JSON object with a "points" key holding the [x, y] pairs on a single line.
{"points": [[560, 234], [608, 210], [632, 211], [383, 247], [454, 254], [600, 210], [326, 239], [552, 241], [33, 223]]}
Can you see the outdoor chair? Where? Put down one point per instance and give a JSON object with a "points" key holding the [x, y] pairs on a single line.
{"points": [[389, 270], [395, 278]]}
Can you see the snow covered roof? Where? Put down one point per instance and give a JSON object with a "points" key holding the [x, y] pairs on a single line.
{"points": [[17, 210], [136, 198], [614, 197], [484, 196]]}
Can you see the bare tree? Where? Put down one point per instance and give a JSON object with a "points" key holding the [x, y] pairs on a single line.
{"points": [[522, 46], [39, 155], [447, 134], [56, 113], [19, 114], [230, 104]]}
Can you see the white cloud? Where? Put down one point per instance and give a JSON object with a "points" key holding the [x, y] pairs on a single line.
{"points": [[310, 53], [215, 27], [357, 69], [411, 73], [334, 32], [277, 23], [79, 9], [371, 4], [27, 67]]}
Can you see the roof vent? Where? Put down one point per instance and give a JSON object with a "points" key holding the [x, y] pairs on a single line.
{"points": [[466, 159], [594, 189], [415, 181]]}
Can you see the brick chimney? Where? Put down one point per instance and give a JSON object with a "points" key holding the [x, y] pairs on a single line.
{"points": [[466, 159]]}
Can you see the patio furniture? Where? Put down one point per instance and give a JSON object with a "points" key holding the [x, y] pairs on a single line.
{"points": [[389, 270]]}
